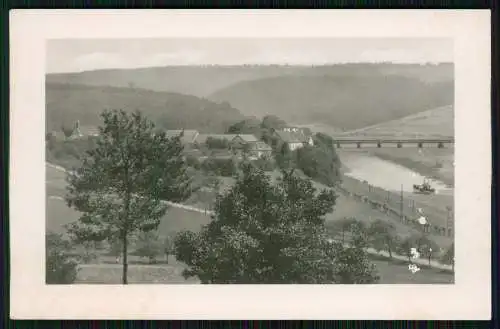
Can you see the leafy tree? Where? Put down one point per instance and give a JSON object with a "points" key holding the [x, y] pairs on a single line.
{"points": [[347, 225], [404, 248], [218, 166], [320, 162], [426, 247], [265, 233], [193, 162], [217, 143], [383, 236], [168, 246], [148, 245], [352, 265], [119, 187], [59, 267], [247, 126], [449, 256], [272, 122], [67, 131], [213, 182], [285, 157], [262, 234]]}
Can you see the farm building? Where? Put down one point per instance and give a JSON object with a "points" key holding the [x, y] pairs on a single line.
{"points": [[255, 147], [260, 150], [293, 137]]}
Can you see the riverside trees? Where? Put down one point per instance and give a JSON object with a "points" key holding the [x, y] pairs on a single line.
{"points": [[120, 186]]}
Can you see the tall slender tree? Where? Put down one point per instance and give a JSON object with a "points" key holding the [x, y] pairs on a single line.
{"points": [[121, 183]]}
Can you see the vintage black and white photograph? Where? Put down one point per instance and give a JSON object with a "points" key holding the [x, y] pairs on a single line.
{"points": [[173, 164], [256, 161]]}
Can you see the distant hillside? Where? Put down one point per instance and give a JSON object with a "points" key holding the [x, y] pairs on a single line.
{"points": [[342, 101], [67, 103], [436, 122], [202, 81]]}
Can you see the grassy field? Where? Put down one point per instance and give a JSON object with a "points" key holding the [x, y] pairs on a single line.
{"points": [[58, 214], [437, 122], [390, 272]]}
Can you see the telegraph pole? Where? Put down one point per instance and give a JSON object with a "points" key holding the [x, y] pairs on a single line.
{"points": [[402, 215]]}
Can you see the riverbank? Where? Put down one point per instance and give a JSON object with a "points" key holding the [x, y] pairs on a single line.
{"points": [[433, 163]]}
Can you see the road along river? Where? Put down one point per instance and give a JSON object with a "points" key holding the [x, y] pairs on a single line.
{"points": [[379, 182]]}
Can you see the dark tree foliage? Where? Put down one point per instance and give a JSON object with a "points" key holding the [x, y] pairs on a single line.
{"points": [[405, 246], [382, 236], [121, 183], [345, 226], [273, 122], [264, 164], [217, 143], [265, 233], [320, 162], [59, 267], [68, 131], [247, 126], [352, 265], [219, 166], [449, 256]]}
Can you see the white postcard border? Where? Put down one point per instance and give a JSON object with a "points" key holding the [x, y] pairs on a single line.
{"points": [[468, 298]]}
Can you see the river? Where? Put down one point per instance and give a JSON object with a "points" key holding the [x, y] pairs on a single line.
{"points": [[384, 174]]}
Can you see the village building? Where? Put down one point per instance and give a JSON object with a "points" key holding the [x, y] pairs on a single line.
{"points": [[260, 150], [188, 136], [242, 139], [201, 139], [80, 132], [254, 147], [294, 138]]}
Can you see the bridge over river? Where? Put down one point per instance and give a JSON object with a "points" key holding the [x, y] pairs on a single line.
{"points": [[361, 142]]}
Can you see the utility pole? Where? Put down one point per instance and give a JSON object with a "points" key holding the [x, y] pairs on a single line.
{"points": [[402, 215]]}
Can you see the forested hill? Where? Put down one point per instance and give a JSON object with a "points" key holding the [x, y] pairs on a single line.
{"points": [[66, 103], [202, 81], [344, 96], [346, 102]]}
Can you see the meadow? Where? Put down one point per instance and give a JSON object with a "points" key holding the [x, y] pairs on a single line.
{"points": [[106, 271]]}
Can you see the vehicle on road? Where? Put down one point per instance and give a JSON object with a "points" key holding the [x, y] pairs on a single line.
{"points": [[424, 188]]}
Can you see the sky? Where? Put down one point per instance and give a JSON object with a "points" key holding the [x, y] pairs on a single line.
{"points": [[76, 55]]}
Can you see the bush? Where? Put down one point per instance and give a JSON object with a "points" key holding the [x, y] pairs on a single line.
{"points": [[149, 246], [217, 143], [59, 267], [193, 162], [320, 162], [219, 167], [264, 164]]}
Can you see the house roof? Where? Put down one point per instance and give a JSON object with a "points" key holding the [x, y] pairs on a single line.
{"points": [[261, 146], [291, 137], [188, 137], [202, 138], [248, 138]]}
